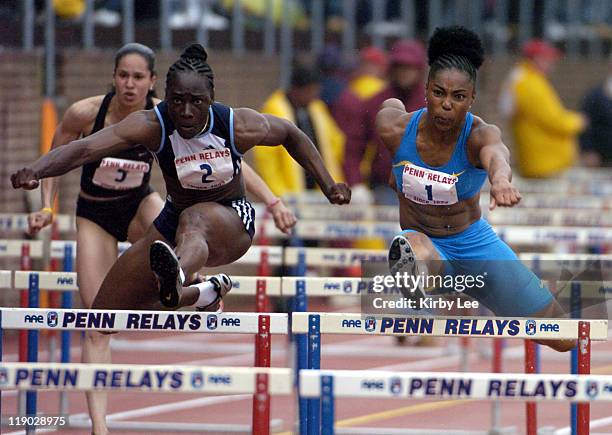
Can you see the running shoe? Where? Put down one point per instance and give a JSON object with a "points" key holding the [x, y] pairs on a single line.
{"points": [[223, 284], [401, 259], [165, 266]]}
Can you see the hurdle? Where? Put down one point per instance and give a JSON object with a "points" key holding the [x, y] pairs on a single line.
{"points": [[19, 222], [25, 250], [513, 235], [315, 324], [326, 385], [259, 382], [155, 321]]}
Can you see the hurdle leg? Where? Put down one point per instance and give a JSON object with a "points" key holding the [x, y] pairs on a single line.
{"points": [[530, 407], [327, 405], [26, 264], [261, 406], [584, 368], [33, 299], [498, 344], [65, 335], [314, 362]]}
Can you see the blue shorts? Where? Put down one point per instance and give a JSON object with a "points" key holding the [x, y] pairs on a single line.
{"points": [[510, 288], [167, 221]]}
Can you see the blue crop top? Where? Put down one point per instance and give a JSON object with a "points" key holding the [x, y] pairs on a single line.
{"points": [[455, 181]]}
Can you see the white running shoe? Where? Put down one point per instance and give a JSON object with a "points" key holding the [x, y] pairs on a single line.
{"points": [[223, 285]]}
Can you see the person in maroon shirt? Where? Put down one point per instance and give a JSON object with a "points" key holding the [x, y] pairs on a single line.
{"points": [[407, 62]]}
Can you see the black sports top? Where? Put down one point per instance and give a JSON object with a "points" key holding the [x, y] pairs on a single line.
{"points": [[124, 173]]}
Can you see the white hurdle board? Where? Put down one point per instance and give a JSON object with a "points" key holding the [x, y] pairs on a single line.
{"points": [[143, 378], [469, 386], [12, 248], [247, 285], [393, 324], [6, 277], [62, 281], [251, 257], [133, 320], [19, 222]]}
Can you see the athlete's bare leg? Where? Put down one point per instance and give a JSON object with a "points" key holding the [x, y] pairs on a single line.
{"points": [[209, 234], [555, 311], [96, 253]]}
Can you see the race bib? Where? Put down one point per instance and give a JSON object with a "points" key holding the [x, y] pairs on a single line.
{"points": [[120, 174], [426, 186], [206, 169]]}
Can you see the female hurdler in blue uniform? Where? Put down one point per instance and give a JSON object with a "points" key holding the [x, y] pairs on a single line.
{"points": [[442, 155]]}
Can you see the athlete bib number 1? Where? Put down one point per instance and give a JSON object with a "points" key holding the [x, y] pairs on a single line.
{"points": [[426, 186]]}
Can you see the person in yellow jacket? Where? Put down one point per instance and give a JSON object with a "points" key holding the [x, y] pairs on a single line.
{"points": [[544, 132], [302, 106]]}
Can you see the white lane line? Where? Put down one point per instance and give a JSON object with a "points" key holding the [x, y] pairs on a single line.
{"points": [[593, 425]]}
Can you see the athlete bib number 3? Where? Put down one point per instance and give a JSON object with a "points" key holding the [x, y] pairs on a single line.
{"points": [[120, 174], [426, 186]]}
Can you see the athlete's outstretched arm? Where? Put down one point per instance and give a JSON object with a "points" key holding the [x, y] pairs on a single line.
{"points": [[494, 156], [284, 219], [253, 128], [138, 128], [391, 121], [76, 118]]}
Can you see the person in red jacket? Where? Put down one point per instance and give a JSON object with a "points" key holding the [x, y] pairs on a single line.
{"points": [[407, 62]]}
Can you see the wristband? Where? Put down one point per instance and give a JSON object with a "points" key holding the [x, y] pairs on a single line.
{"points": [[273, 203], [47, 209]]}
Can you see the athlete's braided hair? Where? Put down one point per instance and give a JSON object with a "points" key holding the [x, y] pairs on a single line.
{"points": [[193, 59], [455, 47]]}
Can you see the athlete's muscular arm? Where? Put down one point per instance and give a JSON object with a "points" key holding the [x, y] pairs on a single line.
{"points": [[284, 219], [77, 119], [391, 122], [140, 127], [490, 153], [251, 127]]}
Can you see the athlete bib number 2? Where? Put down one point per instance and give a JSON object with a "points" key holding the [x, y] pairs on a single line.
{"points": [[206, 169], [426, 186]]}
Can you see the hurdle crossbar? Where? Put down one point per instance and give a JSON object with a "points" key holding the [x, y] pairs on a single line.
{"points": [[19, 222], [143, 378], [334, 257], [393, 324], [14, 248], [252, 256], [121, 320], [451, 385], [6, 278]]}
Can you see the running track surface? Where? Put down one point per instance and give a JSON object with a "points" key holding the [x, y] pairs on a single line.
{"points": [[339, 352]]}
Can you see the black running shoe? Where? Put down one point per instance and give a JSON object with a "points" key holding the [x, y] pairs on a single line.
{"points": [[223, 284], [401, 259], [165, 266]]}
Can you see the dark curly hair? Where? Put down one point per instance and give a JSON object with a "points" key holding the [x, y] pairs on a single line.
{"points": [[455, 47], [193, 59]]}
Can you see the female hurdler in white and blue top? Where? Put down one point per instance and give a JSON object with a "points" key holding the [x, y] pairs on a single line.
{"points": [[442, 154], [206, 220]]}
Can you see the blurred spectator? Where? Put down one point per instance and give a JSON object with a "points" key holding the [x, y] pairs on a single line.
{"points": [[194, 13], [596, 141], [544, 132], [302, 106], [367, 80], [333, 79], [69, 9], [407, 63]]}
